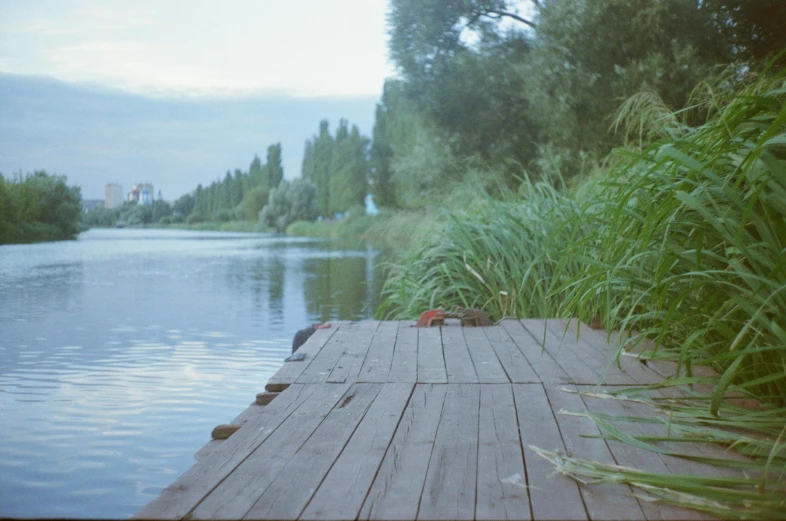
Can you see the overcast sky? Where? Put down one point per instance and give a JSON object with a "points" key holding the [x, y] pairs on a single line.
{"points": [[308, 48]]}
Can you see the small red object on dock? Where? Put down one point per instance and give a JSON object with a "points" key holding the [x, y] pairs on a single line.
{"points": [[432, 317]]}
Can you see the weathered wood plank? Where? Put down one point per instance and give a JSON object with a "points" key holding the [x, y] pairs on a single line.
{"points": [[458, 362], [238, 492], [431, 359], [603, 502], [487, 365], [502, 484], [568, 356], [542, 366], [352, 474], [451, 480], [188, 490], [288, 495], [600, 362], [606, 351], [348, 366], [290, 371], [396, 490], [405, 355], [376, 366], [326, 359], [552, 496]]}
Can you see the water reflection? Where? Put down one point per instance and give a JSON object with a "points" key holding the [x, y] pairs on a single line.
{"points": [[120, 351]]}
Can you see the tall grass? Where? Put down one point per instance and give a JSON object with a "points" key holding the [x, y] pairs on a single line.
{"points": [[683, 240], [690, 245], [499, 256]]}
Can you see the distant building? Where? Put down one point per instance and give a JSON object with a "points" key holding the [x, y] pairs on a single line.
{"points": [[113, 196], [141, 193]]}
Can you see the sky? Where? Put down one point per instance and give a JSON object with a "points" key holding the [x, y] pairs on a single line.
{"points": [[198, 48], [176, 92]]}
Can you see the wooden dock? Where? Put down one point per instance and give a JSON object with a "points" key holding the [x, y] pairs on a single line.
{"points": [[387, 421]]}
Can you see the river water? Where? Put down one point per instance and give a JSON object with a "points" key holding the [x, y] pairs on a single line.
{"points": [[120, 351]]}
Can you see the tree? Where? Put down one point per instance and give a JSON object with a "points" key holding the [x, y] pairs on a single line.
{"points": [[290, 202], [275, 171], [348, 169]]}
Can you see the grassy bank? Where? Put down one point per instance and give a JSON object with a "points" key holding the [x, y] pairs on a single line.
{"points": [[684, 241]]}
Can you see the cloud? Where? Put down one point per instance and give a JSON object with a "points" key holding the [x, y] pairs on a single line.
{"points": [[206, 48]]}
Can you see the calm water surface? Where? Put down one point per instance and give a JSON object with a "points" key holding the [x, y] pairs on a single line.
{"points": [[119, 353]]}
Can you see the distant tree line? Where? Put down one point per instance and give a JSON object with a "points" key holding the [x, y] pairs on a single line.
{"points": [[38, 207], [130, 214]]}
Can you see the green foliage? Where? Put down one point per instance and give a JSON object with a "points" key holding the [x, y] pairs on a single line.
{"points": [[39, 207], [338, 167], [289, 202], [253, 201]]}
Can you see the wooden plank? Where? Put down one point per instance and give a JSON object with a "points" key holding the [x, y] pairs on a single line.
{"points": [[431, 359], [458, 362], [596, 340], [451, 480], [376, 366], [326, 359], [187, 491], [290, 371], [341, 494], [404, 367], [568, 357], [396, 490], [601, 363], [487, 365], [288, 495], [501, 482], [348, 366], [543, 368], [238, 492], [607, 501], [552, 496]]}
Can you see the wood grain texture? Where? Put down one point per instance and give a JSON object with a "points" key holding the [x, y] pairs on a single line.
{"points": [[353, 472], [348, 366], [458, 362], [431, 359], [542, 366], [287, 496], [404, 367], [449, 489], [395, 492], [606, 351], [552, 496], [379, 359], [484, 359], [501, 481], [567, 356]]}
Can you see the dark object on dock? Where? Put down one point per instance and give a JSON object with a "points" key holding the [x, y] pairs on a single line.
{"points": [[469, 317], [304, 334], [295, 357]]}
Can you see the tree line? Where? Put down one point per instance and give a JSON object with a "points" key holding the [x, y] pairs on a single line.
{"points": [[38, 207], [507, 89]]}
